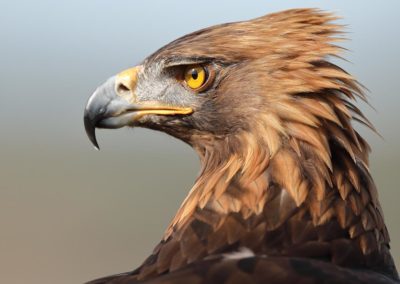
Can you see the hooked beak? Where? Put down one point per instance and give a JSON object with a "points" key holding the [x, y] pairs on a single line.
{"points": [[114, 105]]}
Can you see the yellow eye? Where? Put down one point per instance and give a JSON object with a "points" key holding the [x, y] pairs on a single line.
{"points": [[195, 76]]}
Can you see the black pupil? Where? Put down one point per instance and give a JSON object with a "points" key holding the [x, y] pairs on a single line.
{"points": [[195, 74]]}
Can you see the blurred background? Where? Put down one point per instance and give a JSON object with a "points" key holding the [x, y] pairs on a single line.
{"points": [[68, 213]]}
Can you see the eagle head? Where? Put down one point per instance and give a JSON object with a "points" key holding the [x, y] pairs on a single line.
{"points": [[264, 77]]}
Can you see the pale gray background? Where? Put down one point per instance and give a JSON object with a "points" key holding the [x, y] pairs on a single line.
{"points": [[69, 213]]}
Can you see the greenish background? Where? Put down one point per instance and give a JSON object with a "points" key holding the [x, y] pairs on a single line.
{"points": [[69, 213]]}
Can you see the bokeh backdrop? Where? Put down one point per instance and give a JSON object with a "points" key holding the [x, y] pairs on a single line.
{"points": [[69, 213]]}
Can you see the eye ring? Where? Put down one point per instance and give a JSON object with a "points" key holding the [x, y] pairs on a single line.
{"points": [[198, 77]]}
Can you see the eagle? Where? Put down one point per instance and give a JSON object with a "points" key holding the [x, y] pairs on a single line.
{"points": [[284, 194]]}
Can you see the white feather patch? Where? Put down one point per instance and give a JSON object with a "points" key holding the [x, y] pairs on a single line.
{"points": [[243, 252]]}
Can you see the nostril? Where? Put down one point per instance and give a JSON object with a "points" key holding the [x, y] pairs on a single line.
{"points": [[122, 88]]}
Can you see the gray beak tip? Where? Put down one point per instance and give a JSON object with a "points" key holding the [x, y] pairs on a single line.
{"points": [[91, 131]]}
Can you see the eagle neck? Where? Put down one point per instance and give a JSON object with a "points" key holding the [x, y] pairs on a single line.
{"points": [[232, 178], [286, 202]]}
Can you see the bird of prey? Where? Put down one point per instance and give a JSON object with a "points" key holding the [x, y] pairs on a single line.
{"points": [[284, 194]]}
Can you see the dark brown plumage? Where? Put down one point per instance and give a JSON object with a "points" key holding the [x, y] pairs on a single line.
{"points": [[284, 181]]}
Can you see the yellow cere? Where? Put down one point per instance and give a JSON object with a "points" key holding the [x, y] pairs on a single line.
{"points": [[195, 76]]}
